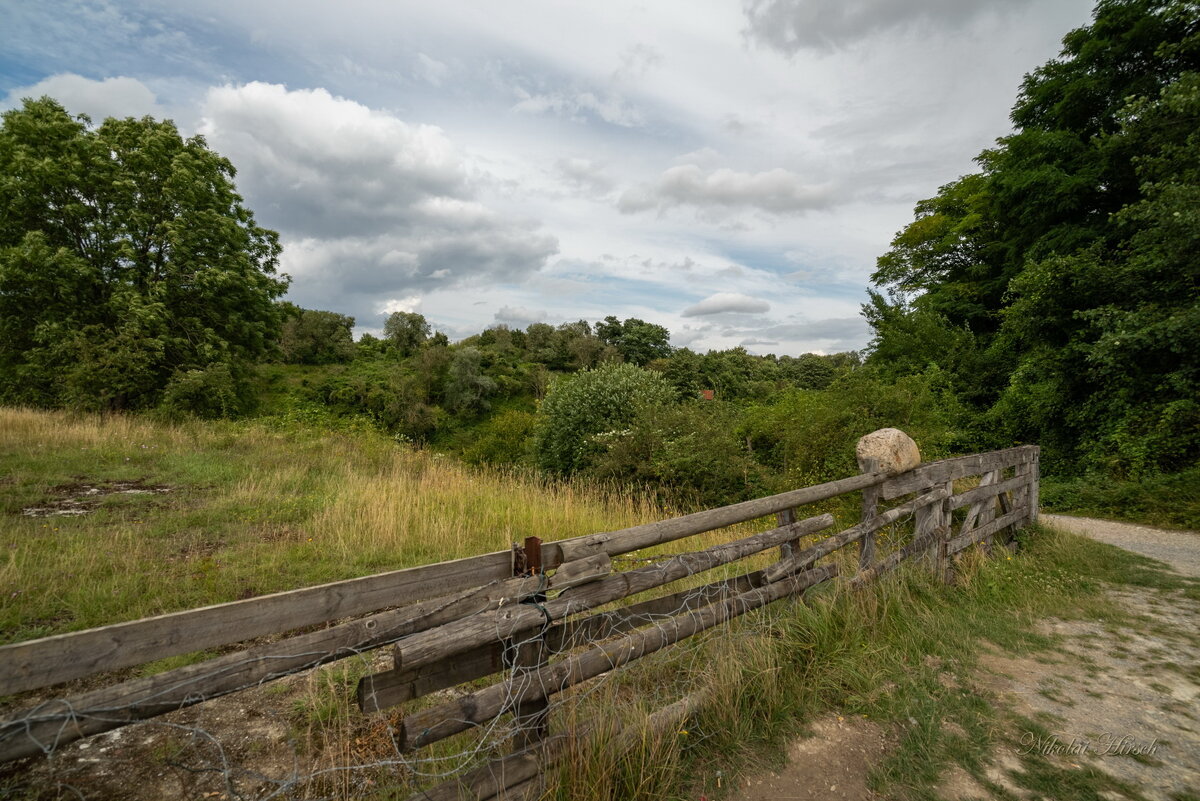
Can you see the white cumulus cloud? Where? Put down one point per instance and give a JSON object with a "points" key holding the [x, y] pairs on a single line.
{"points": [[370, 206]]}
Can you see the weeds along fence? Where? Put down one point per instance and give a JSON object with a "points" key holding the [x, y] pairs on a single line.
{"points": [[541, 618]]}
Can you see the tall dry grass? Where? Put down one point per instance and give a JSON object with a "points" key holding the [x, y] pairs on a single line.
{"points": [[247, 510]]}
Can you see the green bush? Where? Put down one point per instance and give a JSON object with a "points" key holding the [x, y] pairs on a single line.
{"points": [[689, 452], [1161, 500], [210, 393], [580, 409], [310, 336], [809, 436], [503, 439]]}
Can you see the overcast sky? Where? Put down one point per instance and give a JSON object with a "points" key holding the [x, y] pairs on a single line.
{"points": [[730, 169]]}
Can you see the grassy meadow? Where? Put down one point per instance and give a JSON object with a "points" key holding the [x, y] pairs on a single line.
{"points": [[232, 510]]}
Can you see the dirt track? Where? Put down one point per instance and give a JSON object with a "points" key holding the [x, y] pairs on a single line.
{"points": [[1179, 549]]}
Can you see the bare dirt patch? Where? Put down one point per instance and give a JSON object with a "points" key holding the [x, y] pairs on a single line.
{"points": [[73, 500], [831, 763], [1122, 700]]}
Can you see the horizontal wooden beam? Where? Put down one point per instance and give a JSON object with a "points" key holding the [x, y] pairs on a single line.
{"points": [[934, 473], [64, 657], [631, 539], [1015, 517], [58, 722], [390, 687]]}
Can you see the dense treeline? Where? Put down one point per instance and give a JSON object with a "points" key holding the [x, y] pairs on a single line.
{"points": [[1059, 287], [611, 401]]}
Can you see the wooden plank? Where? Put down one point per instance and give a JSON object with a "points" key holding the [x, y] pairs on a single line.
{"points": [[64, 657], [445, 720], [626, 540], [531, 715], [929, 519], [942, 566], [988, 509], [1006, 506], [984, 491], [971, 537], [934, 473], [1021, 494], [462, 635], [784, 518], [581, 571], [59, 722], [390, 687]]}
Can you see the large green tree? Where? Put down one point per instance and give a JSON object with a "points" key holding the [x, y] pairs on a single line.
{"points": [[638, 341], [128, 263], [407, 331], [1058, 285]]}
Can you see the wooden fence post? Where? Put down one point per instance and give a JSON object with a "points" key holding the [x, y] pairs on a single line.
{"points": [[786, 518], [928, 523], [987, 510], [866, 546], [529, 655], [943, 566]]}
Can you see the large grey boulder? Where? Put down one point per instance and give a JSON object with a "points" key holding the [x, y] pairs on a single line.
{"points": [[888, 450]]}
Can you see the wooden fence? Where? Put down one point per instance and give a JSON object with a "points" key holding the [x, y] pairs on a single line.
{"points": [[544, 616]]}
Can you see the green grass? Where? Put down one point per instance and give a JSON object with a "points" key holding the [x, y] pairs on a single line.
{"points": [[252, 508], [1169, 501]]}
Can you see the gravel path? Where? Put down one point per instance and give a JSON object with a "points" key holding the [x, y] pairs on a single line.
{"points": [[1179, 549]]}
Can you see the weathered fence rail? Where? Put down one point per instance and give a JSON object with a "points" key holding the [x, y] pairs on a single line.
{"points": [[543, 616]]}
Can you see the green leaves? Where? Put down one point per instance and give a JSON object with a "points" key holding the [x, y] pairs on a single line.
{"points": [[317, 337], [1060, 286], [580, 410], [406, 331], [126, 257], [638, 341]]}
